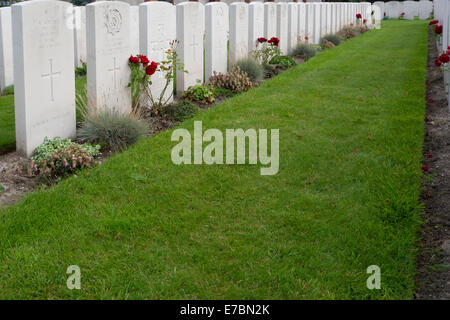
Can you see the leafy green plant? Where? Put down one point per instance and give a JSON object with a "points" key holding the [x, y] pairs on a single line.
{"points": [[2, 188], [113, 129], [180, 111], [254, 70], [199, 93], [223, 92], [81, 71], [8, 90], [60, 157], [235, 80], [348, 32], [266, 50], [283, 61], [333, 38], [304, 50]]}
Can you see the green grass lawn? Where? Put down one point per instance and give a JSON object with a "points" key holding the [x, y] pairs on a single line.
{"points": [[7, 127], [140, 227]]}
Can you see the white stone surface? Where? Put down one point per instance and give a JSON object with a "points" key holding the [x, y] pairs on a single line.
{"points": [[216, 30], [392, 9], [323, 19], [328, 23], [309, 14], [6, 49], [316, 20], [270, 20], [108, 50], [378, 11], [157, 29], [80, 35], [425, 9], [190, 30], [255, 23], [282, 26], [301, 20], [238, 31], [134, 29], [292, 38], [44, 75]]}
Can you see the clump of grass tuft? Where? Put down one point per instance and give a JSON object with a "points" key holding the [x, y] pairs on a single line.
{"points": [[254, 70], [180, 111], [113, 129], [304, 50], [333, 38]]}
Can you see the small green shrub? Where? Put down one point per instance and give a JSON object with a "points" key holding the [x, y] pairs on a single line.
{"points": [[180, 111], [235, 80], [2, 188], [362, 29], [200, 93], [223, 92], [81, 71], [113, 129], [283, 61], [348, 32], [60, 157], [333, 38], [304, 50], [8, 90], [254, 70]]}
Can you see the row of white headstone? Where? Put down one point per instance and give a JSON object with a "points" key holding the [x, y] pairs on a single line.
{"points": [[44, 46], [442, 14], [410, 9]]}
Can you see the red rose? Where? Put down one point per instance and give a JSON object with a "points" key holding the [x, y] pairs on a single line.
{"points": [[428, 156], [262, 39], [437, 63], [144, 60], [433, 22], [364, 21], [358, 16], [430, 100], [134, 60], [306, 38], [444, 58], [150, 69], [274, 40], [424, 168], [438, 29]]}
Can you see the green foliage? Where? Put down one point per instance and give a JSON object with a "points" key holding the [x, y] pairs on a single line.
{"points": [[254, 70], [180, 111], [235, 80], [223, 92], [113, 129], [265, 52], [2, 188], [199, 93], [333, 38], [81, 71], [8, 90], [60, 157], [304, 50], [283, 61]]}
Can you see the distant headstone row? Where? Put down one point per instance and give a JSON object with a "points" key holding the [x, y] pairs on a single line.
{"points": [[408, 9], [442, 15], [49, 38]]}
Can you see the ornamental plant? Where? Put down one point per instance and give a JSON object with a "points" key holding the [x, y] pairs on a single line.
{"points": [[443, 60], [199, 93], [235, 80], [60, 157], [438, 29], [266, 50], [142, 71], [433, 22]]}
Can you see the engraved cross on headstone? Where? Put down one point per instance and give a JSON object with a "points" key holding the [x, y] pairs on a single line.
{"points": [[114, 71], [51, 75]]}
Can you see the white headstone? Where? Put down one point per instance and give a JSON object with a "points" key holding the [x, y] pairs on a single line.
{"points": [[108, 50], [238, 31], [6, 49], [270, 20], [378, 13], [216, 30], [80, 35], [317, 15], [323, 19], [255, 23], [329, 20], [156, 30], [392, 9], [190, 30], [292, 26], [282, 26], [425, 9], [309, 23], [134, 29], [301, 20], [44, 78]]}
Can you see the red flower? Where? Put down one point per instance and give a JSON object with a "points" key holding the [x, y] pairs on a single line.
{"points": [[433, 22], [430, 101], [144, 60], [444, 58], [358, 16], [150, 69], [437, 63], [262, 39], [424, 168], [134, 60], [274, 40], [306, 38], [438, 29], [428, 156], [364, 21]]}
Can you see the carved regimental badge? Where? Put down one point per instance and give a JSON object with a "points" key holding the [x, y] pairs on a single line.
{"points": [[113, 20]]}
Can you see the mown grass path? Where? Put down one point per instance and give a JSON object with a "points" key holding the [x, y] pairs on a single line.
{"points": [[141, 227]]}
